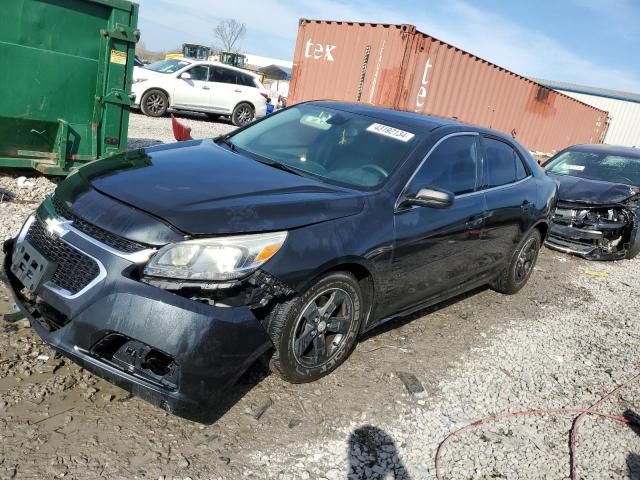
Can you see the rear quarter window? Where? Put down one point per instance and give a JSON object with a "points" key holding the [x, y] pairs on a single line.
{"points": [[504, 165], [246, 80]]}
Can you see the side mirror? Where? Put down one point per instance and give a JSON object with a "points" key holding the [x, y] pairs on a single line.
{"points": [[431, 197], [185, 76]]}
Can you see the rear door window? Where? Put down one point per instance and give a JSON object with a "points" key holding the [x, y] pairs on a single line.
{"points": [[223, 75], [451, 166], [504, 165]]}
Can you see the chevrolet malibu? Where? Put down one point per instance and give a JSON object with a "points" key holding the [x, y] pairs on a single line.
{"points": [[170, 270], [598, 212]]}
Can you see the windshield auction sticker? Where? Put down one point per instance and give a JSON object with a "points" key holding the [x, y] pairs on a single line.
{"points": [[390, 132]]}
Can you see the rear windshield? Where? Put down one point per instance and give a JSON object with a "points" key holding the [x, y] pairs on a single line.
{"points": [[601, 166], [332, 145], [168, 66]]}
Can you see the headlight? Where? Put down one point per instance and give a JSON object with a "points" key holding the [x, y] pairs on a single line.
{"points": [[224, 258]]}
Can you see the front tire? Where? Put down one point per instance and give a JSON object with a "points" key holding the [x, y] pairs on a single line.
{"points": [[242, 114], [314, 332], [523, 259], [154, 103]]}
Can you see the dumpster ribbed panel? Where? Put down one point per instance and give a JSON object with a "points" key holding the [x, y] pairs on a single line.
{"points": [[397, 67], [65, 99]]}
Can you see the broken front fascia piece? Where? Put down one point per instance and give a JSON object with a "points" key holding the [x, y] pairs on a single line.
{"points": [[256, 290], [596, 232]]}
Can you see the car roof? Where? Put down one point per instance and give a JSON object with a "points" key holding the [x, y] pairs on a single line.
{"points": [[416, 120], [419, 121], [610, 149], [218, 64]]}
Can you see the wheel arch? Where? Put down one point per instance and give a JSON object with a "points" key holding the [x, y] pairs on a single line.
{"points": [[363, 273], [243, 101], [163, 90], [543, 228]]}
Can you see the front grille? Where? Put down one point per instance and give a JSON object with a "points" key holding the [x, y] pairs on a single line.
{"points": [[74, 270], [114, 241]]}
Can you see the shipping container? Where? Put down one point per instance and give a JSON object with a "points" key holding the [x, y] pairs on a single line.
{"points": [[396, 66], [623, 108], [66, 79]]}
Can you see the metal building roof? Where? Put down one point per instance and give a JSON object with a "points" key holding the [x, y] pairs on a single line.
{"points": [[600, 92]]}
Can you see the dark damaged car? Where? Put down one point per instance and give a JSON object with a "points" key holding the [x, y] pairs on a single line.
{"points": [[598, 211], [170, 270]]}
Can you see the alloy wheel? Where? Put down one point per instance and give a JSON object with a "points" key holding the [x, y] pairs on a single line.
{"points": [[322, 327], [244, 115], [155, 103], [526, 259]]}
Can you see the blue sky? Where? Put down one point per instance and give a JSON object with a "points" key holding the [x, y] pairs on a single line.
{"points": [[593, 42]]}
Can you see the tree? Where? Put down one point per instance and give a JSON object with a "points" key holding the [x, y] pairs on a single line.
{"points": [[228, 33]]}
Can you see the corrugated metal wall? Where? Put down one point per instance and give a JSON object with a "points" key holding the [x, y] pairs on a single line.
{"points": [[624, 126], [397, 67]]}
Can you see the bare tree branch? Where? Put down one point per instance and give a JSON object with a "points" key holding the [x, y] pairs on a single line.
{"points": [[228, 33]]}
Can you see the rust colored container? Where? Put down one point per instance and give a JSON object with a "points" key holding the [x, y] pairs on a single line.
{"points": [[396, 66]]}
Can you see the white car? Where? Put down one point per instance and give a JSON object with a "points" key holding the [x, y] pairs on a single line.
{"points": [[207, 87]]}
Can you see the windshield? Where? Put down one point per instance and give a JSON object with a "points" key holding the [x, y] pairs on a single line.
{"points": [[168, 66], [596, 166], [330, 144]]}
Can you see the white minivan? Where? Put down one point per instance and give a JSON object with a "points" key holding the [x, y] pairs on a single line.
{"points": [[211, 88]]}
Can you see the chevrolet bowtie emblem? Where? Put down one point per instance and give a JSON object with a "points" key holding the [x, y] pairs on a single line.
{"points": [[57, 227]]}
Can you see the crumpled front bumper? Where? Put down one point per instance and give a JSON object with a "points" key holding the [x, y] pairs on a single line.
{"points": [[176, 353], [583, 243]]}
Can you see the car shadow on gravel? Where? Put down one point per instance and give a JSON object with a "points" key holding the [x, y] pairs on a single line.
{"points": [[201, 117], [255, 374], [372, 454], [633, 459], [401, 320]]}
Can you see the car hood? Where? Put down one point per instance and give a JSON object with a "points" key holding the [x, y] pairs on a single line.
{"points": [[581, 190], [141, 72], [203, 189]]}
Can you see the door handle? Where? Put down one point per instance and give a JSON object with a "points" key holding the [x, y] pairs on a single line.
{"points": [[237, 90], [206, 88]]}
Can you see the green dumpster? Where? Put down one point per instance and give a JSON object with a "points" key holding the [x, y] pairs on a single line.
{"points": [[65, 81]]}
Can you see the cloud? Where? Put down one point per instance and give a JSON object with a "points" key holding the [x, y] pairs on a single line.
{"points": [[523, 50], [623, 14], [272, 27]]}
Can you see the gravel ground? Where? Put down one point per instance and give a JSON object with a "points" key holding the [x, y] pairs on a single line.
{"points": [[144, 131], [567, 339]]}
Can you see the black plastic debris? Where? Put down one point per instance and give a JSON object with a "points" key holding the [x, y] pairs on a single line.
{"points": [[412, 384], [6, 196]]}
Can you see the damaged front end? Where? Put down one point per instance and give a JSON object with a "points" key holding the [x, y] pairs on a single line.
{"points": [[596, 232], [178, 344], [256, 291]]}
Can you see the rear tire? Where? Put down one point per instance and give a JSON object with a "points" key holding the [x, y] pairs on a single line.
{"points": [[242, 114], [154, 103], [523, 259], [314, 332]]}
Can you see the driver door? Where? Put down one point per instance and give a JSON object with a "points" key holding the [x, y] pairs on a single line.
{"points": [[436, 250], [194, 92]]}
